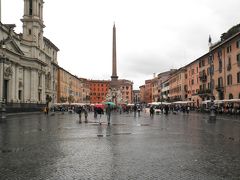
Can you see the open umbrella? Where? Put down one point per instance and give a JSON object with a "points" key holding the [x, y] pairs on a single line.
{"points": [[99, 106], [111, 103]]}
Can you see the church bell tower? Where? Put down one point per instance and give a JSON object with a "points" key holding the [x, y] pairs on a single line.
{"points": [[33, 22]]}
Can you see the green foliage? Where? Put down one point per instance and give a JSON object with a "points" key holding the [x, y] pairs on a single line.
{"points": [[70, 99], [63, 99]]}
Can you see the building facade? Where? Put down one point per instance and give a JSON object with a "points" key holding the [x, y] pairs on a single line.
{"points": [[98, 90], [29, 63], [177, 85], [136, 97]]}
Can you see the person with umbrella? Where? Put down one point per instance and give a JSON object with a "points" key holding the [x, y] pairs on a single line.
{"points": [[108, 112]]}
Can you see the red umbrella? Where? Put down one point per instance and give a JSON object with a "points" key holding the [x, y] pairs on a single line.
{"points": [[99, 105]]}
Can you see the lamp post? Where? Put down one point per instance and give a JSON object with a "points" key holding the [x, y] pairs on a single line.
{"points": [[2, 104], [212, 117]]}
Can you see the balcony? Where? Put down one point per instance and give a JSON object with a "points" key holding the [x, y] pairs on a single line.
{"points": [[220, 88], [203, 77], [203, 93]]}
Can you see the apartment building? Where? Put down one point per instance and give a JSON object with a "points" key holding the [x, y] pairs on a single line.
{"points": [[177, 85], [98, 90]]}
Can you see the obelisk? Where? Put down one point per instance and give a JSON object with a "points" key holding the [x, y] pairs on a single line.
{"points": [[114, 76]]}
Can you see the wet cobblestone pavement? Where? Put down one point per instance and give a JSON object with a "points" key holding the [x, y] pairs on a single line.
{"points": [[163, 147]]}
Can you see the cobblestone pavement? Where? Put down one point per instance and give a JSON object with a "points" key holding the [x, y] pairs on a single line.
{"points": [[163, 147]]}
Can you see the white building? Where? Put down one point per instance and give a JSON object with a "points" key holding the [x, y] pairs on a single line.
{"points": [[28, 66]]}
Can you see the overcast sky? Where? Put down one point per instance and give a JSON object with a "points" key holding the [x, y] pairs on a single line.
{"points": [[152, 35]]}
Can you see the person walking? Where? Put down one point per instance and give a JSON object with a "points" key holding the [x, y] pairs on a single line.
{"points": [[85, 114], [108, 112], [135, 110], [166, 109], [79, 111], [100, 112], [151, 111]]}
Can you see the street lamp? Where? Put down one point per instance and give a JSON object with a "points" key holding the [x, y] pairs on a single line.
{"points": [[212, 117], [2, 104]]}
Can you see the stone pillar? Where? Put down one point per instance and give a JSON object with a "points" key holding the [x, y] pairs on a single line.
{"points": [[27, 85], [1, 81], [33, 86], [12, 85], [114, 56], [43, 89], [16, 82]]}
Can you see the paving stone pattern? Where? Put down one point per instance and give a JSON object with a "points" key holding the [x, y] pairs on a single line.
{"points": [[182, 146]]}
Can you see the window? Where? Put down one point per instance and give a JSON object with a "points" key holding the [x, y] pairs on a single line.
{"points": [[230, 96], [210, 58], [192, 71], [220, 65], [192, 81], [238, 77], [238, 59], [220, 82], [29, 31], [229, 49], [238, 43], [219, 53], [229, 79], [20, 95], [229, 65], [30, 7]]}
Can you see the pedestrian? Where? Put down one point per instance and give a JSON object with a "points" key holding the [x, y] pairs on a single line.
{"points": [[95, 113], [135, 110], [100, 112], [151, 111], [85, 114], [45, 110], [139, 109], [108, 112], [166, 109], [79, 112]]}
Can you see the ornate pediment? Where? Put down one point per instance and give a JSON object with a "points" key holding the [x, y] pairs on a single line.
{"points": [[11, 45]]}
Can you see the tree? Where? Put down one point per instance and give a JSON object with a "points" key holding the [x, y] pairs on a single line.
{"points": [[63, 99], [70, 99]]}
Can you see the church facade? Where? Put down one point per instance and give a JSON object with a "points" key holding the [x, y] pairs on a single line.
{"points": [[28, 66]]}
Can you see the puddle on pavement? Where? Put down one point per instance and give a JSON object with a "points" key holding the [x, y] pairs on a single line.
{"points": [[4, 151], [123, 133], [143, 125]]}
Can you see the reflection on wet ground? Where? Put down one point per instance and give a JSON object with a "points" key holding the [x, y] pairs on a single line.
{"points": [[182, 146]]}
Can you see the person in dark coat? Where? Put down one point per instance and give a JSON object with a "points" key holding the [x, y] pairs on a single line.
{"points": [[151, 111], [108, 112], [166, 109], [79, 112]]}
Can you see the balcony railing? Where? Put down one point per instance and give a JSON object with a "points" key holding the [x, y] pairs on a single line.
{"points": [[219, 87], [203, 77]]}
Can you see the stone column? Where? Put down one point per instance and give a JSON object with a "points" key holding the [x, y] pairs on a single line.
{"points": [[16, 82], [43, 89], [12, 85], [1, 81], [33, 87]]}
